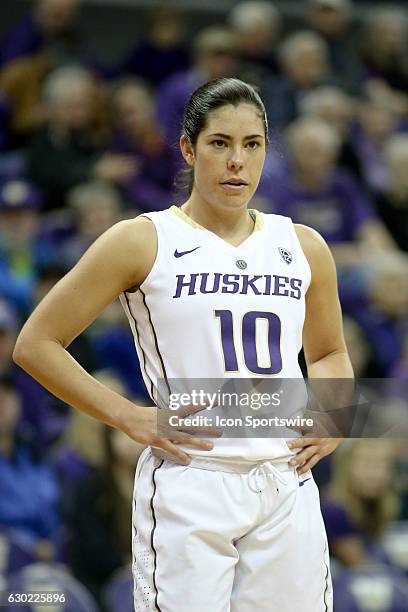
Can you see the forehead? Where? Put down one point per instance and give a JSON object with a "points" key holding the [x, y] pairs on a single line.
{"points": [[239, 121]]}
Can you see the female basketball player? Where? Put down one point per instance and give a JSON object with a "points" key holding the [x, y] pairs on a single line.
{"points": [[228, 524]]}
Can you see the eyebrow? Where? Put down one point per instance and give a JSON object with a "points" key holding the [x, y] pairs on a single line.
{"points": [[229, 137]]}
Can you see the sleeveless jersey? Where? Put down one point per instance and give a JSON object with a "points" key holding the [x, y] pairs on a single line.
{"points": [[208, 309]]}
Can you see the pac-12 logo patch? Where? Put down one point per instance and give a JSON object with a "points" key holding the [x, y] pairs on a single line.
{"points": [[286, 255]]}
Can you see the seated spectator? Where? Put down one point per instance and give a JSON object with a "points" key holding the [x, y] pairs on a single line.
{"points": [[21, 83], [51, 22], [96, 206], [361, 499], [332, 20], [336, 108], [392, 203], [20, 249], [136, 133], [314, 192], [29, 492], [215, 55], [376, 123], [100, 523], [384, 46], [358, 347], [9, 328], [34, 410], [164, 50], [70, 148], [79, 452], [257, 25], [305, 66]]}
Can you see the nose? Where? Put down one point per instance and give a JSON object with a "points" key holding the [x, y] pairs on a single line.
{"points": [[235, 162]]}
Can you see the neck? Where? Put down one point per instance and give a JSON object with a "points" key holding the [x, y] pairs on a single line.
{"points": [[224, 222]]}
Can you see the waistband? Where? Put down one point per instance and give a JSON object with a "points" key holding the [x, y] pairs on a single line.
{"points": [[258, 471]]}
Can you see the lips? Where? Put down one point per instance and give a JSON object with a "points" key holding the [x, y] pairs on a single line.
{"points": [[237, 182]]}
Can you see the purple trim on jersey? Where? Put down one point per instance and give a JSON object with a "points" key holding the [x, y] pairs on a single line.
{"points": [[152, 533], [326, 579], [141, 348], [156, 343]]}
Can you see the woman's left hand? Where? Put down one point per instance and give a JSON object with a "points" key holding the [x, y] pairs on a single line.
{"points": [[313, 449]]}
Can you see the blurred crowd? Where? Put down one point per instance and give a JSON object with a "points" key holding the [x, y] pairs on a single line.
{"points": [[85, 143]]}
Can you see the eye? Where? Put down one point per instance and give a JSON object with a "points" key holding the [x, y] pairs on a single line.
{"points": [[218, 144], [252, 144]]}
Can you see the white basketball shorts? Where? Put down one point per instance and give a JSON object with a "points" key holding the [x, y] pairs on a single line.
{"points": [[234, 538]]}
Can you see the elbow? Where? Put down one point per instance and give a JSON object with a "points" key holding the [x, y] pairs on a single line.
{"points": [[24, 348], [20, 352]]}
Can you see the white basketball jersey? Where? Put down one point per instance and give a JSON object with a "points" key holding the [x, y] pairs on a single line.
{"points": [[208, 309]]}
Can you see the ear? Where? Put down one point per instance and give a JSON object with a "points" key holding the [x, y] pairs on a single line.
{"points": [[186, 150]]}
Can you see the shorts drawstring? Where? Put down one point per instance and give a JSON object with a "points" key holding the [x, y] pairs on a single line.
{"points": [[258, 476]]}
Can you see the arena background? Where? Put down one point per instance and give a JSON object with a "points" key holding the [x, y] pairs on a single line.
{"points": [[91, 98]]}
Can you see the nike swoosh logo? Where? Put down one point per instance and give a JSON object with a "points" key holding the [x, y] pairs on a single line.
{"points": [[302, 482], [181, 253]]}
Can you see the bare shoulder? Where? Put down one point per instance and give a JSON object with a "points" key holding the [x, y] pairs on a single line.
{"points": [[314, 247], [128, 249]]}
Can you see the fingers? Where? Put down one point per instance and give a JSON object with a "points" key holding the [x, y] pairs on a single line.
{"points": [[170, 446], [308, 465], [177, 454], [304, 455], [302, 442], [184, 438]]}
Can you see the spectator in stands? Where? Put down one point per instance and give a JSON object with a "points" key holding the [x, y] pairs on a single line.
{"points": [[384, 47], [257, 25], [358, 347], [51, 22], [29, 492], [377, 122], [20, 249], [21, 83], [136, 133], [9, 327], [96, 206], [305, 66], [80, 450], [163, 52], [392, 203], [316, 193], [336, 108], [100, 523], [70, 148], [332, 20], [361, 498], [215, 55]]}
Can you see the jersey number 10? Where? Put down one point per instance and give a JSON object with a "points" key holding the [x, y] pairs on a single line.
{"points": [[249, 341]]}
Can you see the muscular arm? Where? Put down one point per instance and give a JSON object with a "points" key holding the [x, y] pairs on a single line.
{"points": [[325, 349], [323, 341], [119, 259]]}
